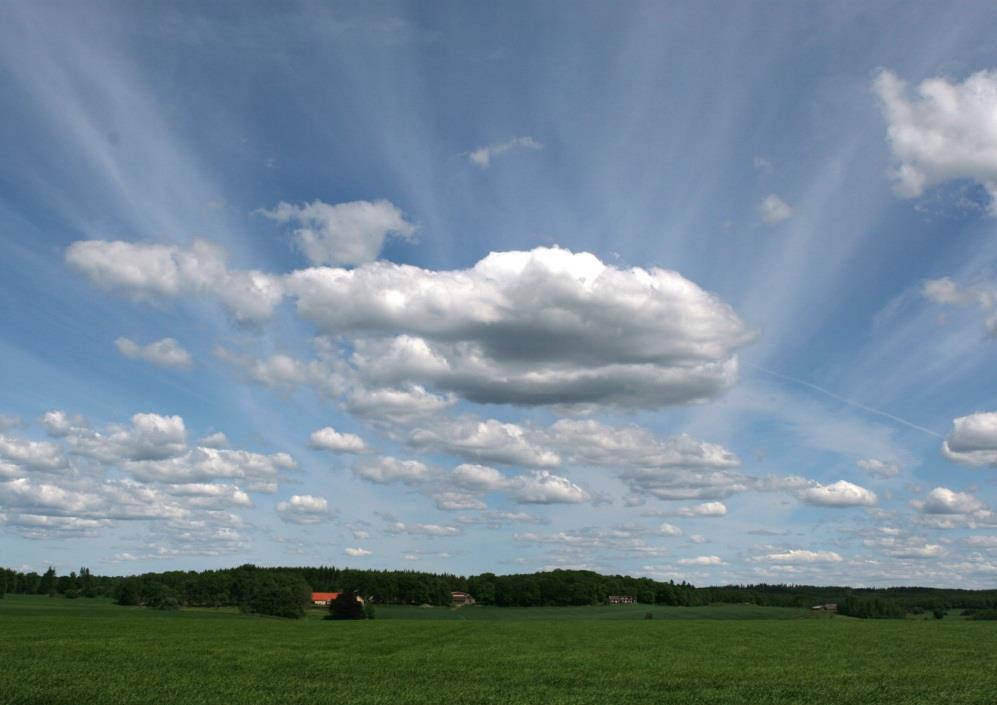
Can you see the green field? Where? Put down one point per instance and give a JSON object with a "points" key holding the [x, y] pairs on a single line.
{"points": [[88, 651]]}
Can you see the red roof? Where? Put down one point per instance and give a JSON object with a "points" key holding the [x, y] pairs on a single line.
{"points": [[327, 596]]}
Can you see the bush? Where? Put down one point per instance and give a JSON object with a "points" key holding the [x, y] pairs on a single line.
{"points": [[347, 606], [168, 603], [985, 615]]}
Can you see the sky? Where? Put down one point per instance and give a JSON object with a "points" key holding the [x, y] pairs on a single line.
{"points": [[693, 291]]}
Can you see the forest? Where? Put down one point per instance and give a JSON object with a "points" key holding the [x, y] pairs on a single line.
{"points": [[285, 590]]}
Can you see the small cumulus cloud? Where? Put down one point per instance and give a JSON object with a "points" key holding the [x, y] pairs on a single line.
{"points": [[482, 157], [774, 210], [330, 439], [839, 494], [879, 468], [304, 509], [164, 353], [344, 233], [973, 440]]}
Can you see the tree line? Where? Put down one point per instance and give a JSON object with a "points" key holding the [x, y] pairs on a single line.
{"points": [[285, 591]]}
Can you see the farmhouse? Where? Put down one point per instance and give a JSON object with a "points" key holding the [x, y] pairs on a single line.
{"points": [[829, 607], [461, 598], [621, 599], [323, 598]]}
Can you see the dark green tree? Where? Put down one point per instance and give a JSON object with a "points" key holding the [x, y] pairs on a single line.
{"points": [[46, 586], [278, 595], [127, 593], [347, 606]]}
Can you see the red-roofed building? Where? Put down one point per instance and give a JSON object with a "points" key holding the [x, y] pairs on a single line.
{"points": [[461, 598], [323, 598]]}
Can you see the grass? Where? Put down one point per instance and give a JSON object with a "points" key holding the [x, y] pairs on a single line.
{"points": [[56, 651]]}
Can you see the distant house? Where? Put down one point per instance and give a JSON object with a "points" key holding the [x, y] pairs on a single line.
{"points": [[321, 599], [622, 599], [461, 598], [828, 607]]}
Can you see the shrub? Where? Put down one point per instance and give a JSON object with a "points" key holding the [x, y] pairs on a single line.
{"points": [[985, 615], [347, 606]]}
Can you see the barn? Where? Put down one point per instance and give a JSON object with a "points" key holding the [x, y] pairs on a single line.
{"points": [[323, 598], [621, 599], [461, 598]]}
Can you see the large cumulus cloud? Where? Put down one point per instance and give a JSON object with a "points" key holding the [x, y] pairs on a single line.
{"points": [[546, 327], [947, 131], [973, 440]]}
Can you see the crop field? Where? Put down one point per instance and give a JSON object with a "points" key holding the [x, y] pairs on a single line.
{"points": [[89, 651]]}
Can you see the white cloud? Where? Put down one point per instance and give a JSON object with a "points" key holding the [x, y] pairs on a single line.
{"points": [[946, 132], [482, 156], [973, 440], [41, 526], [150, 437], [383, 470], [880, 468], [545, 327], [304, 509], [839, 494], [480, 478], [345, 233], [39, 456], [60, 424], [489, 441], [424, 529], [280, 371], [495, 519], [146, 272], [762, 165], [942, 500], [669, 530], [794, 556], [451, 501], [946, 291], [928, 550], [205, 464], [982, 541], [706, 509], [164, 353], [209, 495], [330, 439], [214, 440], [357, 552], [582, 543], [541, 487], [774, 209], [702, 561], [396, 405]]}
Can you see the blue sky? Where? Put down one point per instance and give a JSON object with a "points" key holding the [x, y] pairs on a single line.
{"points": [[694, 291]]}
